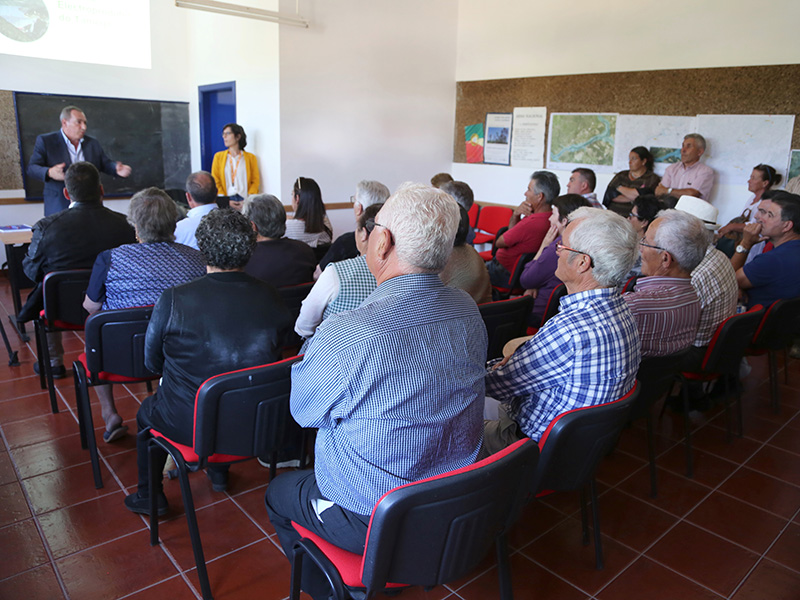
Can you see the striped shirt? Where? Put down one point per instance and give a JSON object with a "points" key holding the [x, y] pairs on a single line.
{"points": [[395, 388], [667, 312], [585, 355], [714, 280]]}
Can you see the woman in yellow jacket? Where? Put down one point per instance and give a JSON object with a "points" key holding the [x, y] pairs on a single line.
{"points": [[235, 171]]}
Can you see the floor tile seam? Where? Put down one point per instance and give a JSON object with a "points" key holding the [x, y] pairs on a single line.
{"points": [[684, 576], [171, 558], [621, 481], [21, 397], [178, 575], [105, 541], [545, 532], [46, 564], [750, 504], [723, 538], [554, 574], [247, 514]]}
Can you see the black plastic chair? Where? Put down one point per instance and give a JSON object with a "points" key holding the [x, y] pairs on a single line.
{"points": [[114, 354], [776, 332], [550, 310], [721, 361], [238, 416], [431, 531], [656, 376], [505, 320], [293, 296], [63, 293], [571, 448]]}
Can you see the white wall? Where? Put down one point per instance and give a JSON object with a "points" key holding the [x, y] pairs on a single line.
{"points": [[518, 38], [367, 92]]}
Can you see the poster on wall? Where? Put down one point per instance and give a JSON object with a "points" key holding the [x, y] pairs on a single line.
{"points": [[473, 137], [737, 143], [662, 135], [527, 136], [581, 139], [794, 165], [497, 150]]}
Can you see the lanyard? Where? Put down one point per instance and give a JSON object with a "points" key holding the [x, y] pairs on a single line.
{"points": [[234, 167]]}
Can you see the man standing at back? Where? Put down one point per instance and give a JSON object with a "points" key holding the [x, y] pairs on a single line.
{"points": [[72, 239], [54, 152], [201, 195], [394, 387], [689, 177]]}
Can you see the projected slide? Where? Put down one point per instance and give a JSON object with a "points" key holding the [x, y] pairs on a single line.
{"points": [[106, 32]]}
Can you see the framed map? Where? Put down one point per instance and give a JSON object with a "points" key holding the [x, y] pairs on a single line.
{"points": [[579, 139]]}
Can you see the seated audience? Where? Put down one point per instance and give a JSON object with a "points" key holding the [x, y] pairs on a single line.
{"points": [[628, 185], [367, 194], [585, 355], [644, 210], [310, 222], [526, 228], [713, 279], [582, 182], [689, 177], [344, 285], [201, 195], [393, 387], [190, 339], [462, 194], [136, 274], [539, 276], [466, 270], [771, 275], [665, 305], [277, 260], [440, 179], [71, 239]]}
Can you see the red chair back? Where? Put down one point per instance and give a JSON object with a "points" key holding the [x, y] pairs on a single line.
{"points": [[473, 214]]}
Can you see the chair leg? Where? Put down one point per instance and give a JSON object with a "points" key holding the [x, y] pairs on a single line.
{"points": [[503, 568], [727, 404], [786, 365], [651, 455], [194, 530], [85, 420], [273, 464], [153, 475], [773, 381], [37, 334], [297, 573], [598, 542], [584, 519], [44, 366], [687, 425]]}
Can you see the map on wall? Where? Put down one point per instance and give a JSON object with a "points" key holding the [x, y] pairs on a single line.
{"points": [[578, 139], [737, 143], [660, 134]]}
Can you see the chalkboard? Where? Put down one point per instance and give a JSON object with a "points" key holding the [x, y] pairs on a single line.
{"points": [[150, 136]]}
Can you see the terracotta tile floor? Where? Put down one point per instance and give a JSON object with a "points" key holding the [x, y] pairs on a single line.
{"points": [[731, 532]]}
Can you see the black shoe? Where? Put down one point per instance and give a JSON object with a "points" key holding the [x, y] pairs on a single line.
{"points": [[140, 505], [59, 372], [218, 477]]}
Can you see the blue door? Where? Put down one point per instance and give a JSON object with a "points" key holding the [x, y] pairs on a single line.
{"points": [[217, 108]]}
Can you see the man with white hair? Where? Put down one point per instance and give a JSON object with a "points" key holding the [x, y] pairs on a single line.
{"points": [[585, 355], [367, 194], [665, 305], [394, 387], [689, 177], [713, 279]]}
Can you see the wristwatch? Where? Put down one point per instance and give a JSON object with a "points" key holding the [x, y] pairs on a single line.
{"points": [[742, 250]]}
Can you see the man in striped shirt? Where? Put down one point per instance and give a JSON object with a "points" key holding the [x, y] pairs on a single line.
{"points": [[665, 304], [394, 387]]}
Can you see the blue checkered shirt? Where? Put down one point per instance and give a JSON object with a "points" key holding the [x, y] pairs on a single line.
{"points": [[587, 354], [396, 388]]}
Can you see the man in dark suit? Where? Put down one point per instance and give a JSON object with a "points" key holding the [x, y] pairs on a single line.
{"points": [[54, 152], [72, 239]]}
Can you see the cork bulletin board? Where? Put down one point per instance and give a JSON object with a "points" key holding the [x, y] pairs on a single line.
{"points": [[684, 92]]}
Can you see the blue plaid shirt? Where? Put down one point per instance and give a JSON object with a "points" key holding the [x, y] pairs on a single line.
{"points": [[396, 388], [587, 354]]}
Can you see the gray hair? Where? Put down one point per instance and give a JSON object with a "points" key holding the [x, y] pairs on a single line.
{"points": [[701, 141], [684, 236], [608, 239], [547, 184], [66, 112], [153, 213], [423, 221], [461, 192], [371, 192], [267, 214]]}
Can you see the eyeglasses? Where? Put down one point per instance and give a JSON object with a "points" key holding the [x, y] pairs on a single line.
{"points": [[646, 245], [352, 199], [370, 224], [635, 216], [560, 247]]}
